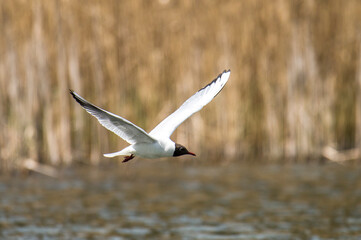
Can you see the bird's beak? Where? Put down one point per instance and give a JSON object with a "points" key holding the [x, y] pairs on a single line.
{"points": [[190, 153]]}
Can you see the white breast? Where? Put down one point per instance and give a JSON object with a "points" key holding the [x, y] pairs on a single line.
{"points": [[161, 148]]}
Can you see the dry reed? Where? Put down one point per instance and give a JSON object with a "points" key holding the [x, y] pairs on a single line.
{"points": [[294, 87]]}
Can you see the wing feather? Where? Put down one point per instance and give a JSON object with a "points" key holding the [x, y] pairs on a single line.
{"points": [[191, 106], [118, 125]]}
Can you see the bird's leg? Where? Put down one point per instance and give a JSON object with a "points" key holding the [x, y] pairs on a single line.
{"points": [[128, 158]]}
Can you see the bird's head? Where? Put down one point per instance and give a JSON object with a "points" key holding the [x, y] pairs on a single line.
{"points": [[181, 150]]}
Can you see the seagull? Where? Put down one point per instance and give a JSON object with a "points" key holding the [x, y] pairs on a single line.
{"points": [[157, 143]]}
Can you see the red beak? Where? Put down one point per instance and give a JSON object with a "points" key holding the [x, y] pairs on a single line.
{"points": [[190, 153]]}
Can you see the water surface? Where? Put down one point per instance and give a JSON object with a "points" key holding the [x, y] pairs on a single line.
{"points": [[184, 200]]}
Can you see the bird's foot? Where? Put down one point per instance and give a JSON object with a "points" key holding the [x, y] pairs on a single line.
{"points": [[128, 158]]}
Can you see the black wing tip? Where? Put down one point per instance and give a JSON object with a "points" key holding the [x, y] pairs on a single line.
{"points": [[215, 80], [224, 71], [220, 75], [73, 94], [76, 97]]}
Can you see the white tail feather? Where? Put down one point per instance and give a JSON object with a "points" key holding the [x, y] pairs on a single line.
{"points": [[110, 155], [124, 152]]}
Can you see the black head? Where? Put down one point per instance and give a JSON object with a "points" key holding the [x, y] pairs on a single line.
{"points": [[181, 150]]}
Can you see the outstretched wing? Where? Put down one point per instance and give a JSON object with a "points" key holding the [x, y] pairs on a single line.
{"points": [[191, 106], [118, 125]]}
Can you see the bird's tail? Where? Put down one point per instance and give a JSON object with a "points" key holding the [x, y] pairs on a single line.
{"points": [[124, 152], [110, 155]]}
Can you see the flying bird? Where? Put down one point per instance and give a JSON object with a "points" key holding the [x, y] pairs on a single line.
{"points": [[157, 143]]}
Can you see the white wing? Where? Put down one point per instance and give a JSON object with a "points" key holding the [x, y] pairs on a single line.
{"points": [[118, 125], [192, 105]]}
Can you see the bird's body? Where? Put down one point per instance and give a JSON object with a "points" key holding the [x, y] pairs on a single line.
{"points": [[158, 149], [157, 143]]}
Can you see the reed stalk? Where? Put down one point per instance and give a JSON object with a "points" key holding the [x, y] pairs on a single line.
{"points": [[294, 87]]}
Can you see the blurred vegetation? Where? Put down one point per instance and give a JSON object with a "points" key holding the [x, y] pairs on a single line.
{"points": [[294, 86]]}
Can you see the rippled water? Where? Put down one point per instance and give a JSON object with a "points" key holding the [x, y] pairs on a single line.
{"points": [[183, 200]]}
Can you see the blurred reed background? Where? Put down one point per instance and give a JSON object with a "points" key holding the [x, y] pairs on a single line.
{"points": [[294, 86]]}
